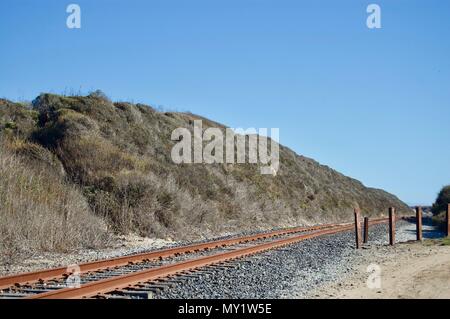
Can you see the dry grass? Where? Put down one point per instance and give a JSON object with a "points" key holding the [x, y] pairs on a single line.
{"points": [[437, 242], [39, 211], [118, 154]]}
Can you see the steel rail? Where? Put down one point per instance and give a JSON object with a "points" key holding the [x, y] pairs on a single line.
{"points": [[128, 280], [54, 273]]}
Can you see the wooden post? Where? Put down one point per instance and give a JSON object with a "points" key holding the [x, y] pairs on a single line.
{"points": [[419, 222], [366, 230], [448, 220], [391, 226], [357, 228]]}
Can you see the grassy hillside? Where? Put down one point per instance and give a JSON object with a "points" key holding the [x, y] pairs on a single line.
{"points": [[39, 210], [117, 155]]}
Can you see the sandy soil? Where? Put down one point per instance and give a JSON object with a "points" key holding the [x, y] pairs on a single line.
{"points": [[408, 271]]}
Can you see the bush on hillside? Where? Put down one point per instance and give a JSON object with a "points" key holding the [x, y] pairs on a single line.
{"points": [[442, 200], [39, 210], [119, 155]]}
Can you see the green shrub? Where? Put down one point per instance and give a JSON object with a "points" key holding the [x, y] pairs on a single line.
{"points": [[442, 200], [11, 125]]}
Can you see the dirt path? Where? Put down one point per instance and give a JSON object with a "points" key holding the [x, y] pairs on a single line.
{"points": [[410, 270]]}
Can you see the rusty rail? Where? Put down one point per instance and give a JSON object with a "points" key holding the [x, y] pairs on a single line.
{"points": [[42, 275], [120, 282]]}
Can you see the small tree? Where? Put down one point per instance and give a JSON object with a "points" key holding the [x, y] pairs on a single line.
{"points": [[442, 200], [99, 94]]}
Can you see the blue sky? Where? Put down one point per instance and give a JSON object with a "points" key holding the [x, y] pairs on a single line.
{"points": [[373, 104]]}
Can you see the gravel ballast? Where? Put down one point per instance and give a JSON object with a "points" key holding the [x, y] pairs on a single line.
{"points": [[301, 270], [294, 271]]}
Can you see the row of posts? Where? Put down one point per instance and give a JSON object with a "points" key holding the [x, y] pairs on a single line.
{"points": [[392, 220]]}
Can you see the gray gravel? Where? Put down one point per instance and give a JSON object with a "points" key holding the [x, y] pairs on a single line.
{"points": [[120, 246], [304, 266]]}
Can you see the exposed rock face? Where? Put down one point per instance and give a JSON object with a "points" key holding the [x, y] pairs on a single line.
{"points": [[120, 155]]}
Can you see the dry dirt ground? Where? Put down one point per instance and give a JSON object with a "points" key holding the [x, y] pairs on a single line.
{"points": [[408, 271]]}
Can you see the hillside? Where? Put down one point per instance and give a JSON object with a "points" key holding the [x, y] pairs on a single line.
{"points": [[116, 157]]}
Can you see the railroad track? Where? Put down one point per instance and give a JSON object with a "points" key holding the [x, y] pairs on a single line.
{"points": [[137, 276]]}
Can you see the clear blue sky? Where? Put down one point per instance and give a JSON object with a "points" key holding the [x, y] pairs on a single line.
{"points": [[373, 104]]}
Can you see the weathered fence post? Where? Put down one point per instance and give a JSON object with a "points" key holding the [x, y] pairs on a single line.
{"points": [[391, 226], [419, 222], [366, 230], [448, 220], [357, 228]]}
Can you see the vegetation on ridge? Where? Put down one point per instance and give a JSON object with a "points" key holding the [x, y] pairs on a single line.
{"points": [[115, 157]]}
